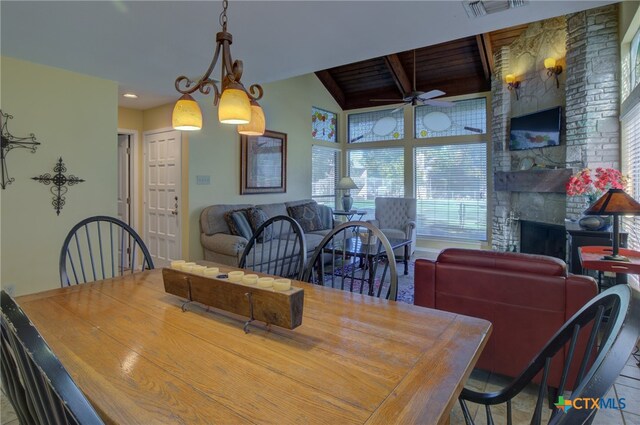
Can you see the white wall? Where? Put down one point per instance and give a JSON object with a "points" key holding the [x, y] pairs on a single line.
{"points": [[73, 116], [215, 150]]}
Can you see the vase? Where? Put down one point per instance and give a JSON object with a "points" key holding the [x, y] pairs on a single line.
{"points": [[595, 222]]}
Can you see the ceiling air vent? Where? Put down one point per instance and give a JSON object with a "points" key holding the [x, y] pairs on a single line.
{"points": [[479, 8]]}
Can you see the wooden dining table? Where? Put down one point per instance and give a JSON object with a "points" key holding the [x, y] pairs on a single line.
{"points": [[354, 360]]}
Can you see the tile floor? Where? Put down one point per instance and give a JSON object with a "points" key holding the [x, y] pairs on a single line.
{"points": [[627, 386]]}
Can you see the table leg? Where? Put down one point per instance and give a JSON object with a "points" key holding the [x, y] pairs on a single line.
{"points": [[372, 273], [406, 258]]}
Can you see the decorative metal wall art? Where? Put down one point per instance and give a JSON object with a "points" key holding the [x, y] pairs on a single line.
{"points": [[9, 142], [59, 182]]}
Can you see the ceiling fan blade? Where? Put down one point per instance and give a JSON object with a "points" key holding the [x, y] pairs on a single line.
{"points": [[431, 94], [386, 100], [440, 103]]}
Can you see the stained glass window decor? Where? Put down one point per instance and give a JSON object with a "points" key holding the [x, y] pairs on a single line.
{"points": [[373, 126], [323, 125], [464, 118]]}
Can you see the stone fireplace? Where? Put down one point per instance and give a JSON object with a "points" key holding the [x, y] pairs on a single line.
{"points": [[586, 45]]}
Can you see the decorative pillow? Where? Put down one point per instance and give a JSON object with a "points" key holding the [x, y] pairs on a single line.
{"points": [[257, 217], [238, 223], [307, 215]]}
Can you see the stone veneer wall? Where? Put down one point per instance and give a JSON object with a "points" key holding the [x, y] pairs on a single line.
{"points": [[593, 94], [589, 93], [525, 59]]}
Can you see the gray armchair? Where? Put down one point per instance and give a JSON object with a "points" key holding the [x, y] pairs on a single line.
{"points": [[396, 217]]}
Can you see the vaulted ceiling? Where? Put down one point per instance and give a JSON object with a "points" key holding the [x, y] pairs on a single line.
{"points": [[456, 67]]}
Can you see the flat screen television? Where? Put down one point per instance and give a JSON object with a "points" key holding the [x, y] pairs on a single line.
{"points": [[536, 130]]}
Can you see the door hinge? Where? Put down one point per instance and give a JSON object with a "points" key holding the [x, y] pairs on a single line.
{"points": [[128, 201], [128, 151]]}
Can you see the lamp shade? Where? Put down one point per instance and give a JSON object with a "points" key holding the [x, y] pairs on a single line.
{"points": [[510, 78], [234, 107], [549, 63], [614, 202], [257, 125], [346, 183], [186, 114]]}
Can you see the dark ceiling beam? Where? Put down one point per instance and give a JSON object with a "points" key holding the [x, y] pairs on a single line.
{"points": [[483, 57], [398, 73], [486, 54], [486, 38], [333, 87]]}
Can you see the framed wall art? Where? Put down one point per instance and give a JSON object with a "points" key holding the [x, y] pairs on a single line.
{"points": [[263, 163]]}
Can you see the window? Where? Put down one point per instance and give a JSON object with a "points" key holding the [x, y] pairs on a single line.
{"points": [[451, 191], [376, 172], [376, 126], [465, 117], [631, 155], [323, 125], [324, 172], [634, 71]]}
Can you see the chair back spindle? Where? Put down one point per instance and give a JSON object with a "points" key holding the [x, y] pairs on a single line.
{"points": [[349, 258], [101, 247], [612, 322], [278, 247], [35, 382]]}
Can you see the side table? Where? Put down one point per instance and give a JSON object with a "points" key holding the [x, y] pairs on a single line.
{"points": [[591, 259], [350, 214]]}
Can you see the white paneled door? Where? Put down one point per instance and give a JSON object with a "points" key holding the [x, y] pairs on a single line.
{"points": [[162, 196]]}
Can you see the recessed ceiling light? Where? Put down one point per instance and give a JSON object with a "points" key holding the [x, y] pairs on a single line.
{"points": [[130, 95]]}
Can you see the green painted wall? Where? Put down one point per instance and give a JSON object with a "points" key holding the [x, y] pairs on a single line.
{"points": [[215, 150], [73, 116]]}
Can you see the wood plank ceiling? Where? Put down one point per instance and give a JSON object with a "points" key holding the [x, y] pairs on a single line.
{"points": [[456, 67]]}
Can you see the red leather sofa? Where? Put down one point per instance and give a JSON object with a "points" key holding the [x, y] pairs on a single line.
{"points": [[526, 297]]}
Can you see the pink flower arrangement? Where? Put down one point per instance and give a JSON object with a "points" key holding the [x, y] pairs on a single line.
{"points": [[582, 183]]}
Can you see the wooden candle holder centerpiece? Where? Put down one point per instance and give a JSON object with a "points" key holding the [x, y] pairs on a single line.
{"points": [[279, 308]]}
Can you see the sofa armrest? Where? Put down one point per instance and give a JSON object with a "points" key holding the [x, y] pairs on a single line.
{"points": [[224, 243], [374, 222], [409, 225], [579, 291], [424, 283]]}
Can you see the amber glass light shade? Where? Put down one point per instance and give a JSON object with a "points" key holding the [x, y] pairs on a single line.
{"points": [[186, 114], [549, 63], [234, 107], [510, 78], [257, 125], [614, 202]]}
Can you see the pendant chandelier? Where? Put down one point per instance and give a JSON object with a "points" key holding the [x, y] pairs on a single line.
{"points": [[235, 104]]}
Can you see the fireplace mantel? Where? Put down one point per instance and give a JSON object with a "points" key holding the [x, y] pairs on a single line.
{"points": [[538, 180]]}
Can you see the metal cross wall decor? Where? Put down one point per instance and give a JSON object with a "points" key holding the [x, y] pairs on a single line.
{"points": [[59, 181], [9, 142]]}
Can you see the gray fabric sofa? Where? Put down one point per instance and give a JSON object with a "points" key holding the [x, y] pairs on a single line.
{"points": [[221, 246]]}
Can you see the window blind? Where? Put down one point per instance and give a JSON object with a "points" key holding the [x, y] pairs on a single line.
{"points": [[451, 191], [631, 158], [324, 172], [376, 172]]}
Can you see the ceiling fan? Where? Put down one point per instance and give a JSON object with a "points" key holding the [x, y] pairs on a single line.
{"points": [[416, 97]]}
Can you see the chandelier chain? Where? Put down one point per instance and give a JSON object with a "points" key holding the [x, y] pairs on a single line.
{"points": [[223, 15]]}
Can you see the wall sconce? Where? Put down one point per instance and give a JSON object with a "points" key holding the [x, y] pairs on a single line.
{"points": [[512, 84], [553, 69]]}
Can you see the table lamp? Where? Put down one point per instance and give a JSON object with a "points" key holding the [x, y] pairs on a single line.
{"points": [[346, 184], [616, 203]]}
